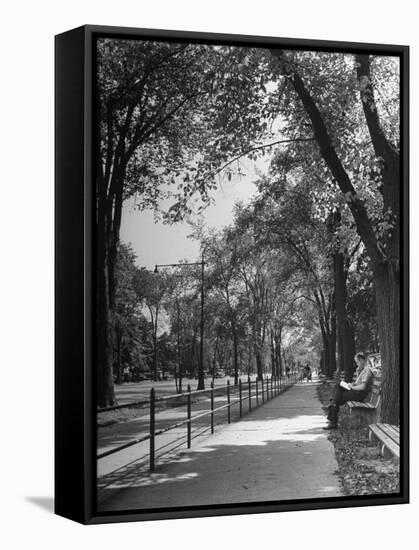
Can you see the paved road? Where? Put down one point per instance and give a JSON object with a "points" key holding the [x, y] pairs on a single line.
{"points": [[277, 452], [137, 391]]}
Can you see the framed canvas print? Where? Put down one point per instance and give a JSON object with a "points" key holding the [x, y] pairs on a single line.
{"points": [[231, 274]]}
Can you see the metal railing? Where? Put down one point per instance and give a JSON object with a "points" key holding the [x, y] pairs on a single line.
{"points": [[258, 390]]}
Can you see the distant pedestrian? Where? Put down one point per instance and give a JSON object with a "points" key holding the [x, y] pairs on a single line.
{"points": [[302, 374], [126, 374], [307, 372]]}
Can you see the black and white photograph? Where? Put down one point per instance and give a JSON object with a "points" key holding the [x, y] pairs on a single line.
{"points": [[209, 265], [249, 219]]}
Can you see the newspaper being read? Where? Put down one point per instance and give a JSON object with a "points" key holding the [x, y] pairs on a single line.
{"points": [[345, 385]]}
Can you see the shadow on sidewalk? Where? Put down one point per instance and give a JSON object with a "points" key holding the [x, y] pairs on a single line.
{"points": [[279, 453]]}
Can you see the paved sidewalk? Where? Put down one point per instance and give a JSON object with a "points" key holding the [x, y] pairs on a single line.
{"points": [[277, 452], [115, 435]]}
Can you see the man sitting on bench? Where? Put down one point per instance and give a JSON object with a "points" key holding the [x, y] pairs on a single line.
{"points": [[357, 391]]}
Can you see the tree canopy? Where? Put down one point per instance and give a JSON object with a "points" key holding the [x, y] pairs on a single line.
{"points": [[323, 230]]}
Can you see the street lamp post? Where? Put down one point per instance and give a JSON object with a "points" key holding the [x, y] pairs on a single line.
{"points": [[201, 382], [201, 379]]}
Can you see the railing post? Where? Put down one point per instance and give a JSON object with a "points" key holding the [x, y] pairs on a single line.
{"points": [[240, 396], [212, 407], [152, 428], [263, 391], [257, 393], [250, 393], [228, 401], [189, 417]]}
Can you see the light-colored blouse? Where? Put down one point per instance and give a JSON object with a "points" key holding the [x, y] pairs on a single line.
{"points": [[364, 376]]}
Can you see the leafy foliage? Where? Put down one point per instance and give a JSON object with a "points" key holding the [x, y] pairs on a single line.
{"points": [[360, 468], [176, 118]]}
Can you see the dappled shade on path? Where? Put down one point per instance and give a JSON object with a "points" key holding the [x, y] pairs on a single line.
{"points": [[277, 452]]}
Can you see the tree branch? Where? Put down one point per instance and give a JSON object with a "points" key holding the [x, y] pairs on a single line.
{"points": [[328, 152], [257, 148], [382, 146]]}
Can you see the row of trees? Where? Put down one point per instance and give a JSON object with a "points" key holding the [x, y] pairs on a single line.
{"points": [[173, 117], [273, 281], [158, 316]]}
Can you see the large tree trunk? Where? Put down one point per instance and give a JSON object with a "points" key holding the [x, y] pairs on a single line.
{"points": [[384, 251], [322, 361], [273, 358], [340, 294], [104, 349], [349, 347], [105, 396], [345, 333], [340, 365], [278, 352], [327, 324], [329, 351], [387, 288], [386, 267], [249, 356], [214, 358], [118, 333], [328, 371], [108, 222], [332, 340], [259, 364]]}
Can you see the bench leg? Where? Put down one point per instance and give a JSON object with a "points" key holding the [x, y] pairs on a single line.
{"points": [[385, 453], [363, 416]]}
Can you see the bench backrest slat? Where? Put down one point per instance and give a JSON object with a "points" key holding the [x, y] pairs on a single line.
{"points": [[374, 395]]}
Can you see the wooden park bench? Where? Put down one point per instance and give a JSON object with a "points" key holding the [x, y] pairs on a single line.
{"points": [[389, 438], [369, 410]]}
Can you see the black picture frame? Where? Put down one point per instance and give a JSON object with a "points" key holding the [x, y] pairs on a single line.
{"points": [[75, 471]]}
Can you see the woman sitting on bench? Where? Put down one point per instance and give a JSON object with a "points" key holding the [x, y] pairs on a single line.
{"points": [[357, 391]]}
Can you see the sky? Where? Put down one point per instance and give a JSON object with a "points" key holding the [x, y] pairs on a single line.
{"points": [[156, 243]]}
